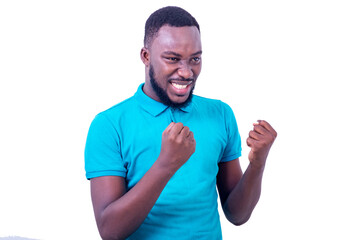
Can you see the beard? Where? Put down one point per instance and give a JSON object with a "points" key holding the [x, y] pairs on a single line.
{"points": [[162, 95]]}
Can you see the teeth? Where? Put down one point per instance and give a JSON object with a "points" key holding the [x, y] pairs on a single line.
{"points": [[178, 86]]}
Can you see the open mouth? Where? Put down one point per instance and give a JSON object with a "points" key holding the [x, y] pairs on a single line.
{"points": [[181, 84]]}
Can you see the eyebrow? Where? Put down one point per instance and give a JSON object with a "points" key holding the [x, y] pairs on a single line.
{"points": [[179, 55], [197, 53]]}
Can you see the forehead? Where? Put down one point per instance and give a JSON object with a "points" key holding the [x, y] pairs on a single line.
{"points": [[177, 39]]}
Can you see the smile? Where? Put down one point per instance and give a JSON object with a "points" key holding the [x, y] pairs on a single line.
{"points": [[181, 85]]}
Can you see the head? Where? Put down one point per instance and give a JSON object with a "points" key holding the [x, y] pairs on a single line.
{"points": [[172, 56]]}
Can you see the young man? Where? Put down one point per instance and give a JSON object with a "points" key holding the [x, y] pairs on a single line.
{"points": [[155, 159]]}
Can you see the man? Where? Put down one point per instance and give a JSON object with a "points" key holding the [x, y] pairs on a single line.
{"points": [[155, 159]]}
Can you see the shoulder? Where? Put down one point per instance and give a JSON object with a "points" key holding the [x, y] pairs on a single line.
{"points": [[118, 109], [211, 104], [112, 116]]}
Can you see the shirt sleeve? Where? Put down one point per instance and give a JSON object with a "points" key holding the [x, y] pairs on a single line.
{"points": [[233, 145], [102, 149]]}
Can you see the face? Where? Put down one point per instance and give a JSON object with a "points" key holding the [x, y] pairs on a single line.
{"points": [[173, 63], [163, 96]]}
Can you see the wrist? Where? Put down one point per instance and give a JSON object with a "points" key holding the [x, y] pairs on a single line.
{"points": [[163, 165], [258, 167]]}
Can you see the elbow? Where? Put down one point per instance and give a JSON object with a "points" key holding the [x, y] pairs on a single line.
{"points": [[237, 216], [107, 233], [240, 221]]}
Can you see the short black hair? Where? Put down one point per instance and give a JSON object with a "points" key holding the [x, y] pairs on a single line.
{"points": [[172, 16]]}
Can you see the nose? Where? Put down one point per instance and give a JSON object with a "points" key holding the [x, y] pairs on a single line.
{"points": [[185, 71]]}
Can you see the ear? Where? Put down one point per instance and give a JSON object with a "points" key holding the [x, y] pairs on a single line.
{"points": [[145, 56]]}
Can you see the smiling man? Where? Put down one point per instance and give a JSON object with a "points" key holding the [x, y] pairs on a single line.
{"points": [[173, 47], [155, 159]]}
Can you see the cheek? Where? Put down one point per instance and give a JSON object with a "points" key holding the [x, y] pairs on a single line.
{"points": [[197, 70], [164, 72]]}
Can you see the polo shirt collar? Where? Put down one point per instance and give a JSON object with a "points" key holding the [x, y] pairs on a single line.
{"points": [[152, 106]]}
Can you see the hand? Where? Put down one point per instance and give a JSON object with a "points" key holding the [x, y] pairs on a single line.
{"points": [[260, 140], [178, 144]]}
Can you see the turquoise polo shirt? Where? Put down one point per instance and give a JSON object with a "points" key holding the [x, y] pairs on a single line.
{"points": [[125, 141]]}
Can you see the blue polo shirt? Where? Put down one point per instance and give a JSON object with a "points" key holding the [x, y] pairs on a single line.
{"points": [[125, 141]]}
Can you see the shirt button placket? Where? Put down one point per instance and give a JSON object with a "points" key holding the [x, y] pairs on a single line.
{"points": [[172, 115]]}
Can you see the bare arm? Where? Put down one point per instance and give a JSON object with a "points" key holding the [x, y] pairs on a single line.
{"points": [[239, 193], [119, 213]]}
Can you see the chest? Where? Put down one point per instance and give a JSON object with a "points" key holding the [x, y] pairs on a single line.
{"points": [[141, 146]]}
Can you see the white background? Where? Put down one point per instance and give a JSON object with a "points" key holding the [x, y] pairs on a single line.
{"points": [[293, 63]]}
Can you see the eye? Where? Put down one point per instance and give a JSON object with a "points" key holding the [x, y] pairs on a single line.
{"points": [[196, 59], [173, 59]]}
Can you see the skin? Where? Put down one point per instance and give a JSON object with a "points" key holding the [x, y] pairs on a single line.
{"points": [[239, 193], [175, 55]]}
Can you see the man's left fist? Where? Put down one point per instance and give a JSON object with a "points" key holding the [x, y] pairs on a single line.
{"points": [[260, 140]]}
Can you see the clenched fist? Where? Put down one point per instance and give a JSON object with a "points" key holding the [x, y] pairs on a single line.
{"points": [[177, 146], [260, 140]]}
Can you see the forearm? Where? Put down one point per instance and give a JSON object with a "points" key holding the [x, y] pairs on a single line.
{"points": [[123, 216], [244, 197]]}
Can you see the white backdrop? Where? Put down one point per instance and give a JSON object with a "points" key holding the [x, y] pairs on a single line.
{"points": [[293, 63]]}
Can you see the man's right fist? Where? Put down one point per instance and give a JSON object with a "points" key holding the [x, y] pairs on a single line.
{"points": [[177, 146]]}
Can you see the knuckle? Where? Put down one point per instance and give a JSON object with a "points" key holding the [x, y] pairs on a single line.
{"points": [[179, 140], [172, 137], [275, 134], [191, 136], [272, 137], [186, 130], [263, 144]]}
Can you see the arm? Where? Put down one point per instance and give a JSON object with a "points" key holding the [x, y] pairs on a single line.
{"points": [[239, 193], [119, 213]]}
